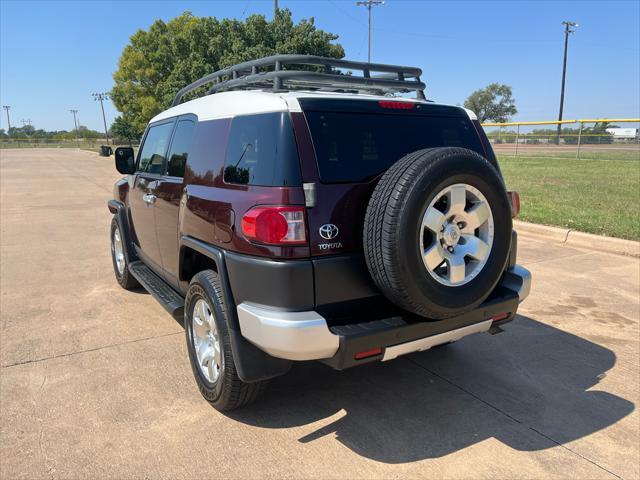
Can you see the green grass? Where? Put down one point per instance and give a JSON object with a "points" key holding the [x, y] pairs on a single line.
{"points": [[596, 196], [585, 154]]}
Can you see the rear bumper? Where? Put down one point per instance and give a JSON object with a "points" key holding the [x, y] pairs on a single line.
{"points": [[306, 336]]}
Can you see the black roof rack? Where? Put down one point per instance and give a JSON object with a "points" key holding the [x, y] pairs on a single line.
{"points": [[247, 75]]}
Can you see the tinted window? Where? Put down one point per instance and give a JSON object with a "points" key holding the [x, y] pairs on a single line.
{"points": [[353, 147], [155, 148], [262, 151], [180, 148]]}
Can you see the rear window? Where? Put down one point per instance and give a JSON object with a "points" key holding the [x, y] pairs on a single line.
{"points": [[262, 151], [354, 147]]}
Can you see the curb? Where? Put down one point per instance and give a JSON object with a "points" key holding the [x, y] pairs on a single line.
{"points": [[574, 238]]}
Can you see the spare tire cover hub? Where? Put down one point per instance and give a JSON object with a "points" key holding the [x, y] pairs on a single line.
{"points": [[458, 234]]}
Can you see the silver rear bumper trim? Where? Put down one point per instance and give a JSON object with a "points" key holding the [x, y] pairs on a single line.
{"points": [[289, 335], [426, 343], [518, 279]]}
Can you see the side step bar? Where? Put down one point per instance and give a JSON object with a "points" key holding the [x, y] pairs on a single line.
{"points": [[156, 286]]}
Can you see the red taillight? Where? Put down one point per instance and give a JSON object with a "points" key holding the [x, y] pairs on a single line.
{"points": [[396, 105], [514, 200], [500, 316], [368, 353], [275, 225]]}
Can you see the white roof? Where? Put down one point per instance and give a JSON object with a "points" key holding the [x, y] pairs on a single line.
{"points": [[244, 102]]}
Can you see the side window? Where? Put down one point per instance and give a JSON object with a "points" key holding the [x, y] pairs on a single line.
{"points": [[155, 148], [262, 151], [180, 147]]}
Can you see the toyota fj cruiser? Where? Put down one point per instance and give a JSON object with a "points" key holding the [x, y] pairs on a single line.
{"points": [[296, 212]]}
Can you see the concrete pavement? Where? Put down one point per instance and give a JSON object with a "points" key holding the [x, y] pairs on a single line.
{"points": [[95, 381]]}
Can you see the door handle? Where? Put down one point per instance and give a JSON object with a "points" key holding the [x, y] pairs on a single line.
{"points": [[149, 198]]}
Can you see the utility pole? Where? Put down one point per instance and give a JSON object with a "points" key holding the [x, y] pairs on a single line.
{"points": [[75, 124], [100, 97], [7, 108], [25, 123], [567, 30], [275, 8], [369, 4]]}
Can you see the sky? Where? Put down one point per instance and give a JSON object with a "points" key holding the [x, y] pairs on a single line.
{"points": [[53, 55]]}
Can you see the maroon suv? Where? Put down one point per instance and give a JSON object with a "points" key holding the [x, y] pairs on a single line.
{"points": [[300, 213]]}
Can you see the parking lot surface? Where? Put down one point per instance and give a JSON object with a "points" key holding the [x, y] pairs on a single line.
{"points": [[95, 380]]}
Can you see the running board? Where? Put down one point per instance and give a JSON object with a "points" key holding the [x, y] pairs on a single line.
{"points": [[159, 289]]}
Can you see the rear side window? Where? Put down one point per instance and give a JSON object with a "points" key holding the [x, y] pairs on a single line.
{"points": [[262, 151], [354, 147], [180, 148], [155, 146]]}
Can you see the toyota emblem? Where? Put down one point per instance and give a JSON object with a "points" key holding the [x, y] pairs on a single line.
{"points": [[328, 231]]}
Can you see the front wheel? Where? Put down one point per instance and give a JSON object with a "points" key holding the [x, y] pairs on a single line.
{"points": [[209, 346], [119, 259]]}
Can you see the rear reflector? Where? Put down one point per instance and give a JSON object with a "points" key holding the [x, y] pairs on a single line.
{"points": [[500, 316], [514, 200], [396, 105], [368, 353], [275, 225]]}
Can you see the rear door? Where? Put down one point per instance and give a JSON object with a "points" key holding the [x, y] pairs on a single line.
{"points": [[143, 196], [349, 144], [168, 193]]}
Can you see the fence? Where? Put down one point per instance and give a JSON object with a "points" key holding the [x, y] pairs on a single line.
{"points": [[83, 143], [585, 138]]}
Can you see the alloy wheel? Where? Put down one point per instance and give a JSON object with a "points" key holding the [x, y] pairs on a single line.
{"points": [[457, 235]]}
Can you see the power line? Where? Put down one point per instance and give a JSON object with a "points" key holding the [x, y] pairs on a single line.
{"points": [[369, 4], [567, 30], [346, 13], [100, 97]]}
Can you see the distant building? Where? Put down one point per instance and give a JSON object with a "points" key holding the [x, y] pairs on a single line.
{"points": [[623, 133]]}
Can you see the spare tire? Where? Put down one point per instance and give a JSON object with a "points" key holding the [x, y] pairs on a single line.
{"points": [[437, 231]]}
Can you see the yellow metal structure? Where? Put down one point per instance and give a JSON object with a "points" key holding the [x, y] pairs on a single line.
{"points": [[555, 122], [515, 124]]}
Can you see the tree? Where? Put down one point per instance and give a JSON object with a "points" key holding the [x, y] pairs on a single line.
{"points": [[122, 129], [160, 61], [493, 103]]}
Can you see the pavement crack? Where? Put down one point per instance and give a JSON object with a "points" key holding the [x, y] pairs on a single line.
{"points": [[104, 347], [548, 260], [506, 414]]}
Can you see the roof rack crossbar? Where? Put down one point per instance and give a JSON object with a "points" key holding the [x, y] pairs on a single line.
{"points": [[390, 79]]}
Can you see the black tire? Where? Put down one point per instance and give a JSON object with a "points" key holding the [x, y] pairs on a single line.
{"points": [[125, 279], [392, 230], [229, 391]]}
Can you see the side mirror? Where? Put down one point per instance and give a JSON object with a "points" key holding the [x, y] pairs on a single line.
{"points": [[125, 160]]}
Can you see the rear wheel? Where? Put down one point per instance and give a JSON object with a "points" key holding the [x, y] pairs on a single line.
{"points": [[437, 231], [209, 346]]}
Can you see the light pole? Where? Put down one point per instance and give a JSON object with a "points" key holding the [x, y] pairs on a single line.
{"points": [[7, 108], [75, 124], [369, 4], [100, 97], [567, 30]]}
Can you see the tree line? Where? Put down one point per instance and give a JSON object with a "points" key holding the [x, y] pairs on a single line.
{"points": [[29, 132]]}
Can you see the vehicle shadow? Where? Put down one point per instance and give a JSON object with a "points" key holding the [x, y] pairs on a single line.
{"points": [[529, 387]]}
